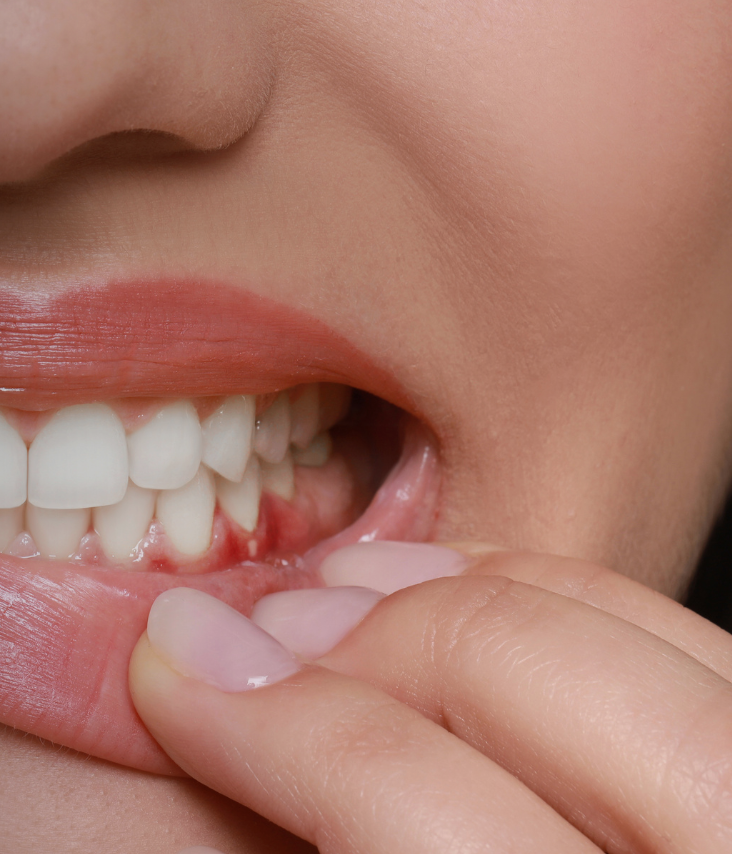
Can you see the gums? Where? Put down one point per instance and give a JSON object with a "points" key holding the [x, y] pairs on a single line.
{"points": [[67, 630]]}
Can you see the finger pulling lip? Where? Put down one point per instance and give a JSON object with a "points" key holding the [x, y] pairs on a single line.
{"points": [[67, 631]]}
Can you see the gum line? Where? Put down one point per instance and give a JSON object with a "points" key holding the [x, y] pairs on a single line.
{"points": [[189, 463]]}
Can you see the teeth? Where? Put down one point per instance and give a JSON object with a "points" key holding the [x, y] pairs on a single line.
{"points": [[240, 501], [317, 452], [82, 465], [121, 526], [11, 524], [187, 513], [13, 467], [305, 416], [279, 478], [272, 438], [79, 459], [166, 452], [57, 533], [227, 437], [334, 402]]}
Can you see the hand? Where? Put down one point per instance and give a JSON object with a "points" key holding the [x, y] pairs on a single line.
{"points": [[533, 703]]}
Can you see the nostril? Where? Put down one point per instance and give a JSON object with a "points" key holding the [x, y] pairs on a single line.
{"points": [[63, 65], [73, 72]]}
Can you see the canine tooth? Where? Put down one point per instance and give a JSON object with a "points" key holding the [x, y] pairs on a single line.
{"points": [[227, 436], [317, 452], [121, 526], [11, 524], [305, 413], [240, 501], [279, 478], [166, 452], [57, 533], [272, 437], [78, 459], [13, 467], [335, 400], [187, 513]]}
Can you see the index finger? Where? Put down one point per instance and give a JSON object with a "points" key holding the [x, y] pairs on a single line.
{"points": [[332, 759]]}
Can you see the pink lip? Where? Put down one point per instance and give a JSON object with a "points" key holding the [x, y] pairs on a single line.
{"points": [[148, 339], [67, 632]]}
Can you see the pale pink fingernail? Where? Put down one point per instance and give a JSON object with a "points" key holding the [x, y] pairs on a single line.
{"points": [[312, 622], [205, 639], [389, 566]]}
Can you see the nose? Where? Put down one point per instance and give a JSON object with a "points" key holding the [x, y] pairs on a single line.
{"points": [[75, 70]]}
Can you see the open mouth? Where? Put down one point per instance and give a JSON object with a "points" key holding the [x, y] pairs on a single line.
{"points": [[221, 447], [193, 485]]}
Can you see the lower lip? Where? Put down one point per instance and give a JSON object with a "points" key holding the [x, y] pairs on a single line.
{"points": [[67, 632]]}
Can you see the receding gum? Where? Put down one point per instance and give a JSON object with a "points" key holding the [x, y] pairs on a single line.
{"points": [[68, 631]]}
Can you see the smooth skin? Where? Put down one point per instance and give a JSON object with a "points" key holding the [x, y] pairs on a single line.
{"points": [[434, 726], [522, 211]]}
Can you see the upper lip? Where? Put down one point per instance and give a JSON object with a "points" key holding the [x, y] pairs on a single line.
{"points": [[167, 338], [67, 632]]}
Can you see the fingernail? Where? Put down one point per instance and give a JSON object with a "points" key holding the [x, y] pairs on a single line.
{"points": [[205, 639], [200, 849], [312, 622], [389, 566]]}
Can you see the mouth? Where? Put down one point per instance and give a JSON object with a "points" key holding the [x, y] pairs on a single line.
{"points": [[155, 435]]}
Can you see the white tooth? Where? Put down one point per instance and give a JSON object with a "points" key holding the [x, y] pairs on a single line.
{"points": [[11, 524], [166, 452], [272, 437], [78, 459], [334, 402], [317, 452], [240, 501], [121, 526], [279, 478], [305, 416], [57, 533], [13, 467], [187, 513], [227, 436]]}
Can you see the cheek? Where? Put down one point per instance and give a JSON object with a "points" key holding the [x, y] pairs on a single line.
{"points": [[624, 134], [602, 274], [603, 198]]}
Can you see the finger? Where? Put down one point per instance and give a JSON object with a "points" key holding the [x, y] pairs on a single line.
{"points": [[615, 593], [624, 734], [390, 566], [311, 622], [331, 759]]}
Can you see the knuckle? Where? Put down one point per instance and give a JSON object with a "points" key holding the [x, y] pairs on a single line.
{"points": [[483, 618]]}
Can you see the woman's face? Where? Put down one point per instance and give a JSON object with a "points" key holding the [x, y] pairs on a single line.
{"points": [[519, 214]]}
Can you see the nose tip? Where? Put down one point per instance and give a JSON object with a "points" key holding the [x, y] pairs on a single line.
{"points": [[75, 70]]}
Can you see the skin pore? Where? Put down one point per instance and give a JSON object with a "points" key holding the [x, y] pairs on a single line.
{"points": [[522, 212]]}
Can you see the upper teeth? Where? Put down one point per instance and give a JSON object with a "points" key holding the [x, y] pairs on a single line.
{"points": [[166, 452], [13, 465], [227, 437], [79, 459], [82, 460], [272, 438]]}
